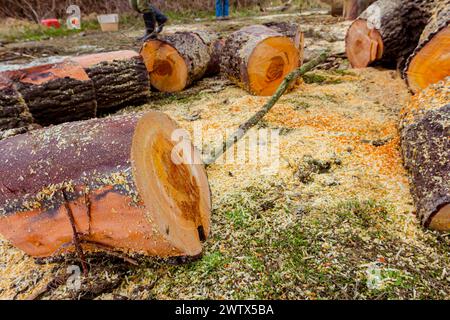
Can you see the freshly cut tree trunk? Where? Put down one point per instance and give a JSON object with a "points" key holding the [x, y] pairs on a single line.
{"points": [[353, 8], [56, 93], [13, 110], [292, 31], [120, 79], [387, 31], [175, 61], [430, 61], [122, 181], [258, 58], [425, 138]]}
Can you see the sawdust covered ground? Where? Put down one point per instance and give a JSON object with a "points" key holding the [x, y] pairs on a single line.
{"points": [[334, 220]]}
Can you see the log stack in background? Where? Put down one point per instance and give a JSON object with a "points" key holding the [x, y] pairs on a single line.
{"points": [[425, 140], [175, 61], [120, 180], [430, 61], [56, 93], [258, 58], [120, 79]]}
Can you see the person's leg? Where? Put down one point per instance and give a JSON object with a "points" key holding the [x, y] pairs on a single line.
{"points": [[219, 8], [160, 17], [149, 20], [226, 9]]}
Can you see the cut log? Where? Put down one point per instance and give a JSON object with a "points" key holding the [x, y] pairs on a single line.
{"points": [[122, 180], [120, 79], [353, 8], [387, 31], [258, 58], [14, 112], [430, 61], [56, 93], [425, 138], [175, 61], [292, 31]]}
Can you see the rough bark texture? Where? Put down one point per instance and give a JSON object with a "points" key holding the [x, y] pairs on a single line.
{"points": [[425, 139], [400, 24], [440, 18], [193, 50], [119, 83], [215, 45], [13, 111], [84, 171], [56, 93]]}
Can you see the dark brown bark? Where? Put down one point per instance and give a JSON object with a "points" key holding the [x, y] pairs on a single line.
{"points": [[195, 51], [88, 175], [56, 93], [13, 110], [119, 82], [215, 45], [425, 140]]}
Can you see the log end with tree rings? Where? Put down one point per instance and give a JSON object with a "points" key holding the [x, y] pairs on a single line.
{"points": [[269, 63], [425, 141], [167, 68], [121, 180], [363, 44], [431, 63], [120, 78], [175, 61], [56, 93], [258, 59]]}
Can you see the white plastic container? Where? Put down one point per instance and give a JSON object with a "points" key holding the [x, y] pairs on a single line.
{"points": [[108, 22]]}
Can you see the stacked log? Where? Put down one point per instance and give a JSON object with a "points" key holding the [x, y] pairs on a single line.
{"points": [[56, 93], [120, 79], [118, 182], [425, 139], [175, 61], [14, 112], [258, 58], [387, 31], [430, 61]]}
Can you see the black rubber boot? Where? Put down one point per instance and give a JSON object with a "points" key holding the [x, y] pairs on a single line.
{"points": [[149, 21]]}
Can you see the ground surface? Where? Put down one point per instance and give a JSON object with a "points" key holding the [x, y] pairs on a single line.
{"points": [[334, 221]]}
